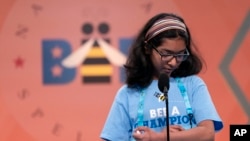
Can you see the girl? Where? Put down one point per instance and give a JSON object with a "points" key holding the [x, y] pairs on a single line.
{"points": [[164, 45]]}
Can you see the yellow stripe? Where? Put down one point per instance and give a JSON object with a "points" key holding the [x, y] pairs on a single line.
{"points": [[95, 52], [96, 70]]}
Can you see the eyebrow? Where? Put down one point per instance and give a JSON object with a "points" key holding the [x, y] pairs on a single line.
{"points": [[170, 51]]}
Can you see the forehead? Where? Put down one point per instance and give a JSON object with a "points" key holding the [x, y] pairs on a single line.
{"points": [[175, 44]]}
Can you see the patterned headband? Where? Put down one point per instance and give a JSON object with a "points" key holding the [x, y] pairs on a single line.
{"points": [[163, 25]]}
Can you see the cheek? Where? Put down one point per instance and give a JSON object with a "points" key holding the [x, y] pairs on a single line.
{"points": [[157, 63]]}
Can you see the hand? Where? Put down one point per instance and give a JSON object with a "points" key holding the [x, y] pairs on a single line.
{"points": [[143, 133], [174, 128]]}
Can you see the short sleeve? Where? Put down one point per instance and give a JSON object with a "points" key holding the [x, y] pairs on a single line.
{"points": [[202, 103], [117, 126]]}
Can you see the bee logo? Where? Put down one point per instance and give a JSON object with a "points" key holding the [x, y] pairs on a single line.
{"points": [[95, 56], [160, 96]]}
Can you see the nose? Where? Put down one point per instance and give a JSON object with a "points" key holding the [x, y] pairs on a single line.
{"points": [[173, 62]]}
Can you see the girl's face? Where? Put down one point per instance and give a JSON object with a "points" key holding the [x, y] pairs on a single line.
{"points": [[168, 56]]}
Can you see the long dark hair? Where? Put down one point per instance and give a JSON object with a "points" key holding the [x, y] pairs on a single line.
{"points": [[139, 68]]}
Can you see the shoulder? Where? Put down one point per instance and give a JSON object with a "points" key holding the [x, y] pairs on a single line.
{"points": [[126, 95], [193, 82], [125, 91], [193, 79]]}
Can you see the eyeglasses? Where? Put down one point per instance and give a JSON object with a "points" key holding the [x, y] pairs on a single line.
{"points": [[167, 57]]}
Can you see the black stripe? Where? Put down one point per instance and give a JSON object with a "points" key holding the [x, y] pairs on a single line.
{"points": [[96, 79], [96, 61]]}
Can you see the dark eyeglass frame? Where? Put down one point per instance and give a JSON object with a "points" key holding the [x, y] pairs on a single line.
{"points": [[180, 57]]}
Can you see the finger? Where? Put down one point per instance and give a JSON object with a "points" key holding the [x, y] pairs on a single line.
{"points": [[137, 136], [178, 127], [142, 128], [174, 130]]}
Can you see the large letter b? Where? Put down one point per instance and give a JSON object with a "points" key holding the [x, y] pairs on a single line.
{"points": [[53, 52]]}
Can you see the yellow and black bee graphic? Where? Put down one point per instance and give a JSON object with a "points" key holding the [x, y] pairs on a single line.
{"points": [[160, 96], [96, 57]]}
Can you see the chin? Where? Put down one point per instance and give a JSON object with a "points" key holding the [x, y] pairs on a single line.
{"points": [[166, 72]]}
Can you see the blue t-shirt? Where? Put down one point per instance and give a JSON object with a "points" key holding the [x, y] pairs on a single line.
{"points": [[123, 115]]}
